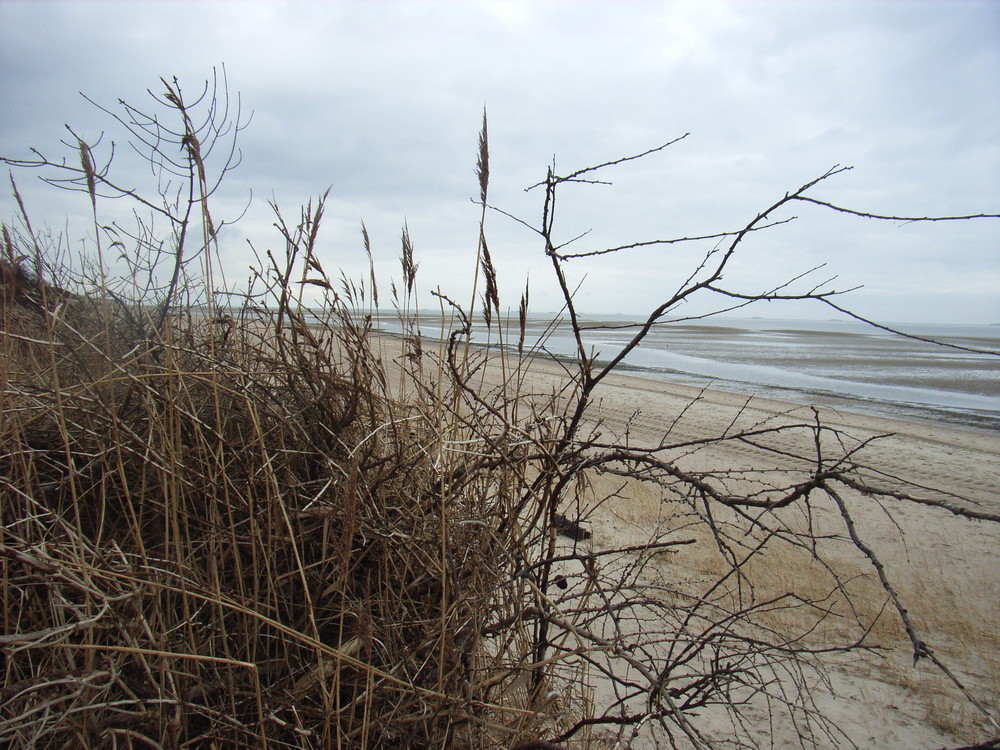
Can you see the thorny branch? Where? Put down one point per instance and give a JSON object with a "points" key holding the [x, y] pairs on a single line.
{"points": [[573, 455]]}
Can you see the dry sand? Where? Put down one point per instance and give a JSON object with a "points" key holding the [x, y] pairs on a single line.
{"points": [[943, 566]]}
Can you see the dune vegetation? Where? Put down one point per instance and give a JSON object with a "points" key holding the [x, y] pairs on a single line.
{"points": [[247, 518]]}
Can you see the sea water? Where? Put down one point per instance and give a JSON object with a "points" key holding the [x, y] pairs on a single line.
{"points": [[842, 363]]}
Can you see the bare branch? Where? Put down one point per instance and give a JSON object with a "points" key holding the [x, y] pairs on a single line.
{"points": [[890, 217]]}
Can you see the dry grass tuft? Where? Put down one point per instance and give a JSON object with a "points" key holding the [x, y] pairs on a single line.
{"points": [[236, 533]]}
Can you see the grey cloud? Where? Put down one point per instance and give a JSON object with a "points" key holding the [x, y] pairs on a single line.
{"points": [[382, 101]]}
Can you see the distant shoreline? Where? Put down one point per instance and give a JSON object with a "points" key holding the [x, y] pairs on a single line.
{"points": [[800, 394]]}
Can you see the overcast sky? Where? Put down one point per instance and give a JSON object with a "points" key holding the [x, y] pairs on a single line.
{"points": [[382, 101]]}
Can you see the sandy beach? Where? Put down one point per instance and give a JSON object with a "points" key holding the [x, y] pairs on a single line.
{"points": [[942, 566]]}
